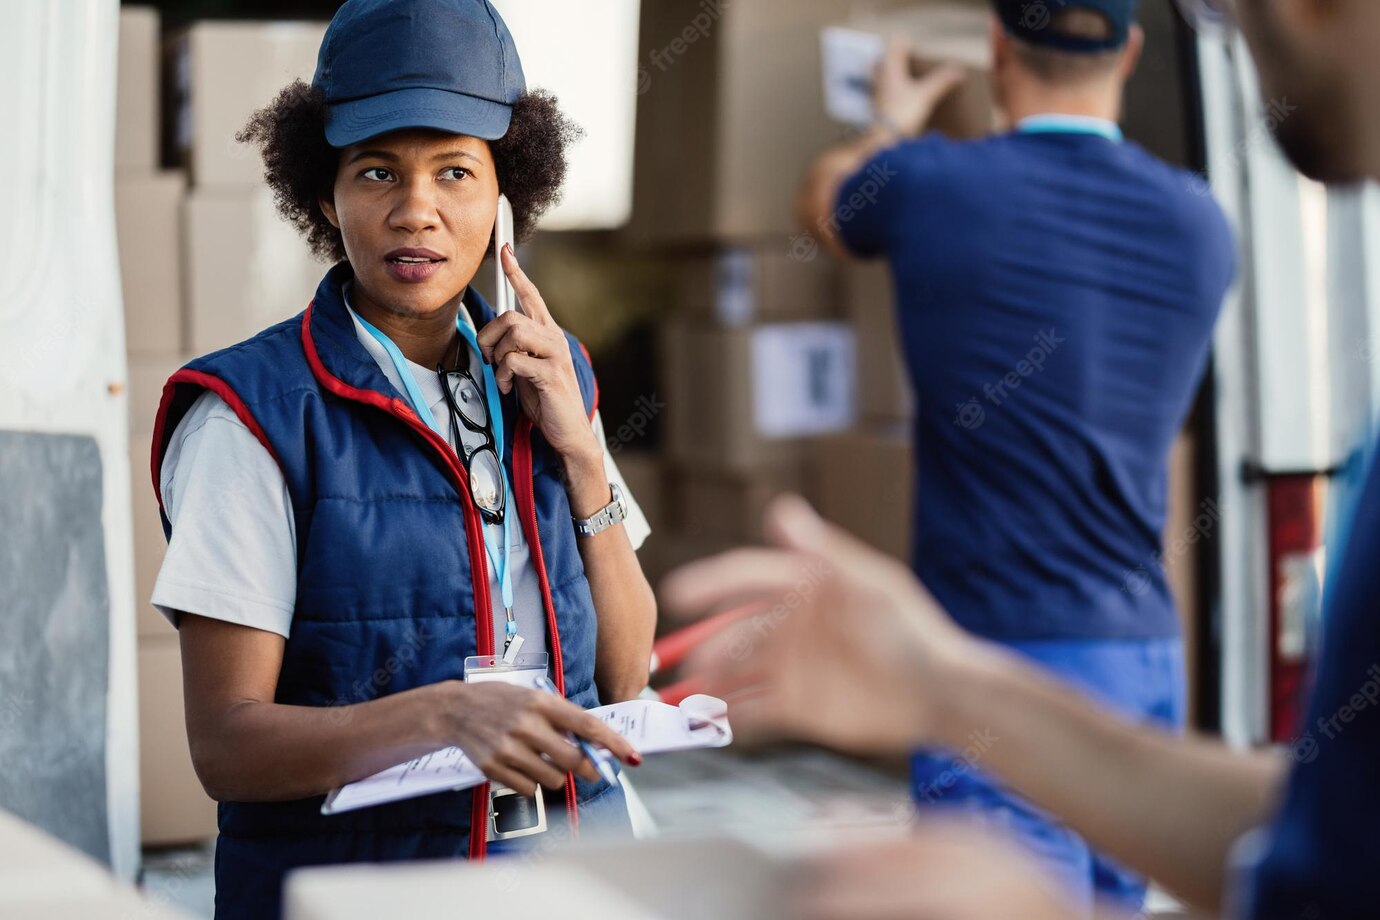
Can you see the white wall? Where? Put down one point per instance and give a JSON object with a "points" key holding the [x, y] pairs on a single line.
{"points": [[61, 327]]}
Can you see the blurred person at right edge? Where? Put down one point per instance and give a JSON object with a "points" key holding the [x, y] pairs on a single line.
{"points": [[868, 661], [1057, 288]]}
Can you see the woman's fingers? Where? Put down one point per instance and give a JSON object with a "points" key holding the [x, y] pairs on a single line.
{"points": [[529, 298], [557, 748], [566, 716], [516, 780], [527, 338], [517, 364], [533, 766]]}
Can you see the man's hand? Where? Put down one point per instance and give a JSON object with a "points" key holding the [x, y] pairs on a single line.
{"points": [[903, 101], [850, 651]]}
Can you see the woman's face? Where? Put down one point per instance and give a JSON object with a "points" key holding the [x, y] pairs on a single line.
{"points": [[416, 209]]}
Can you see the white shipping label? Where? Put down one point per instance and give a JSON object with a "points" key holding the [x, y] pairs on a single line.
{"points": [[850, 58], [804, 379]]}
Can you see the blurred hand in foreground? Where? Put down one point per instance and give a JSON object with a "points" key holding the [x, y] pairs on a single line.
{"points": [[849, 652]]}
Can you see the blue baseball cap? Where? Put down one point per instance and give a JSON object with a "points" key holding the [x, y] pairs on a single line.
{"points": [[1030, 21], [386, 65]]}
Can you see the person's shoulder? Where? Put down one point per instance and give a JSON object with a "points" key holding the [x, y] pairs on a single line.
{"points": [[935, 150], [1180, 189]]}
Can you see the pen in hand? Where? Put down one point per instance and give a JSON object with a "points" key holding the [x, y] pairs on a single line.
{"points": [[602, 760]]}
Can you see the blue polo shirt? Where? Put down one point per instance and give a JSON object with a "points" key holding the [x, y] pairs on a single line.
{"points": [[1056, 294], [1319, 860]]}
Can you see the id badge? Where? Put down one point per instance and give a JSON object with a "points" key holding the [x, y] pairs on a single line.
{"points": [[511, 814]]}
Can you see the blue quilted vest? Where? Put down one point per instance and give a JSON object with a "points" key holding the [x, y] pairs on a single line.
{"points": [[391, 569]]}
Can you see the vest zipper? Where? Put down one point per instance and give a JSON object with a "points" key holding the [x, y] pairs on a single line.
{"points": [[474, 524]]}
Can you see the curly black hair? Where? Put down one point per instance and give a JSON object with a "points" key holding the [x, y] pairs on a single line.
{"points": [[300, 166]]}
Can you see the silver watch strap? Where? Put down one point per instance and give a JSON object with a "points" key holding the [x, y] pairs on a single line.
{"points": [[615, 512]]}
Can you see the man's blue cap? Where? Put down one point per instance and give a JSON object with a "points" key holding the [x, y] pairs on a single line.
{"points": [[1031, 21], [386, 65]]}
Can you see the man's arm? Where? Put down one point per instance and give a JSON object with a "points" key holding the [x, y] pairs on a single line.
{"points": [[856, 655], [904, 105], [1169, 806]]}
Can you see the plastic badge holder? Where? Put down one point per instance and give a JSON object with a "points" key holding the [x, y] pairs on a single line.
{"points": [[511, 814], [524, 671]]}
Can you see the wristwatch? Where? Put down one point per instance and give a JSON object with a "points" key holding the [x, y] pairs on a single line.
{"points": [[615, 512]]}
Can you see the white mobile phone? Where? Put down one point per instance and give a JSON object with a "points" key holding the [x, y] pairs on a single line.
{"points": [[506, 298]]}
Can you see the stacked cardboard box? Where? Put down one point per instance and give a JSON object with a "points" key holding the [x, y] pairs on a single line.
{"points": [[884, 389], [864, 482], [756, 364], [246, 267], [943, 33], [203, 268], [775, 360]]}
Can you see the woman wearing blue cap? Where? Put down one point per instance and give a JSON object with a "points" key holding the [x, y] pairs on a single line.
{"points": [[361, 498]]}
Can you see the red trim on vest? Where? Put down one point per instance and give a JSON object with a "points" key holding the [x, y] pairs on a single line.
{"points": [[594, 407], [524, 488], [474, 525], [221, 389]]}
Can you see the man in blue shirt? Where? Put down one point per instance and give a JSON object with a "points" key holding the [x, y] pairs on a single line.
{"points": [[868, 661], [1057, 288]]}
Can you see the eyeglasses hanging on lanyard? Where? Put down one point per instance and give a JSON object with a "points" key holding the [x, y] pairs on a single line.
{"points": [[488, 485]]}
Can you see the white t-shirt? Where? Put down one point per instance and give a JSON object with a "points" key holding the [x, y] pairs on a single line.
{"points": [[233, 552]]}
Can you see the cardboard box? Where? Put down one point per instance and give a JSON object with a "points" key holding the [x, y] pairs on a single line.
{"points": [[765, 282], [246, 268], [137, 92], [741, 399], [729, 117], [42, 876], [222, 72], [174, 807], [884, 386], [945, 33], [864, 482], [148, 224], [731, 507]]}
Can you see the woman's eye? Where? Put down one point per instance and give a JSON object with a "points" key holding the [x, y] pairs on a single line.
{"points": [[377, 174], [456, 172]]}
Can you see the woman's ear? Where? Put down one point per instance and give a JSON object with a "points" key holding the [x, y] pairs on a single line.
{"points": [[328, 208]]}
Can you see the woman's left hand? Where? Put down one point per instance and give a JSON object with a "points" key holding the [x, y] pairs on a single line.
{"points": [[528, 350]]}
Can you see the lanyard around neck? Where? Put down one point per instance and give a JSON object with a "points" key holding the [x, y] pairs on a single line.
{"points": [[498, 559]]}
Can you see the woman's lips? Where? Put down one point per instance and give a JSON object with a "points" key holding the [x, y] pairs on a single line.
{"points": [[412, 272]]}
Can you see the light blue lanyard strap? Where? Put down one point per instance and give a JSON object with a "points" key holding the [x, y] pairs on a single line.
{"points": [[1071, 124], [505, 579], [414, 393], [499, 560]]}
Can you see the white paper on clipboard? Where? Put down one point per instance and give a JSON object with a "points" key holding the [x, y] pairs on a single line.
{"points": [[653, 727], [850, 59]]}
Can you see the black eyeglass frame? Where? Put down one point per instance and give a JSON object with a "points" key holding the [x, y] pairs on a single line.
{"points": [[490, 445]]}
